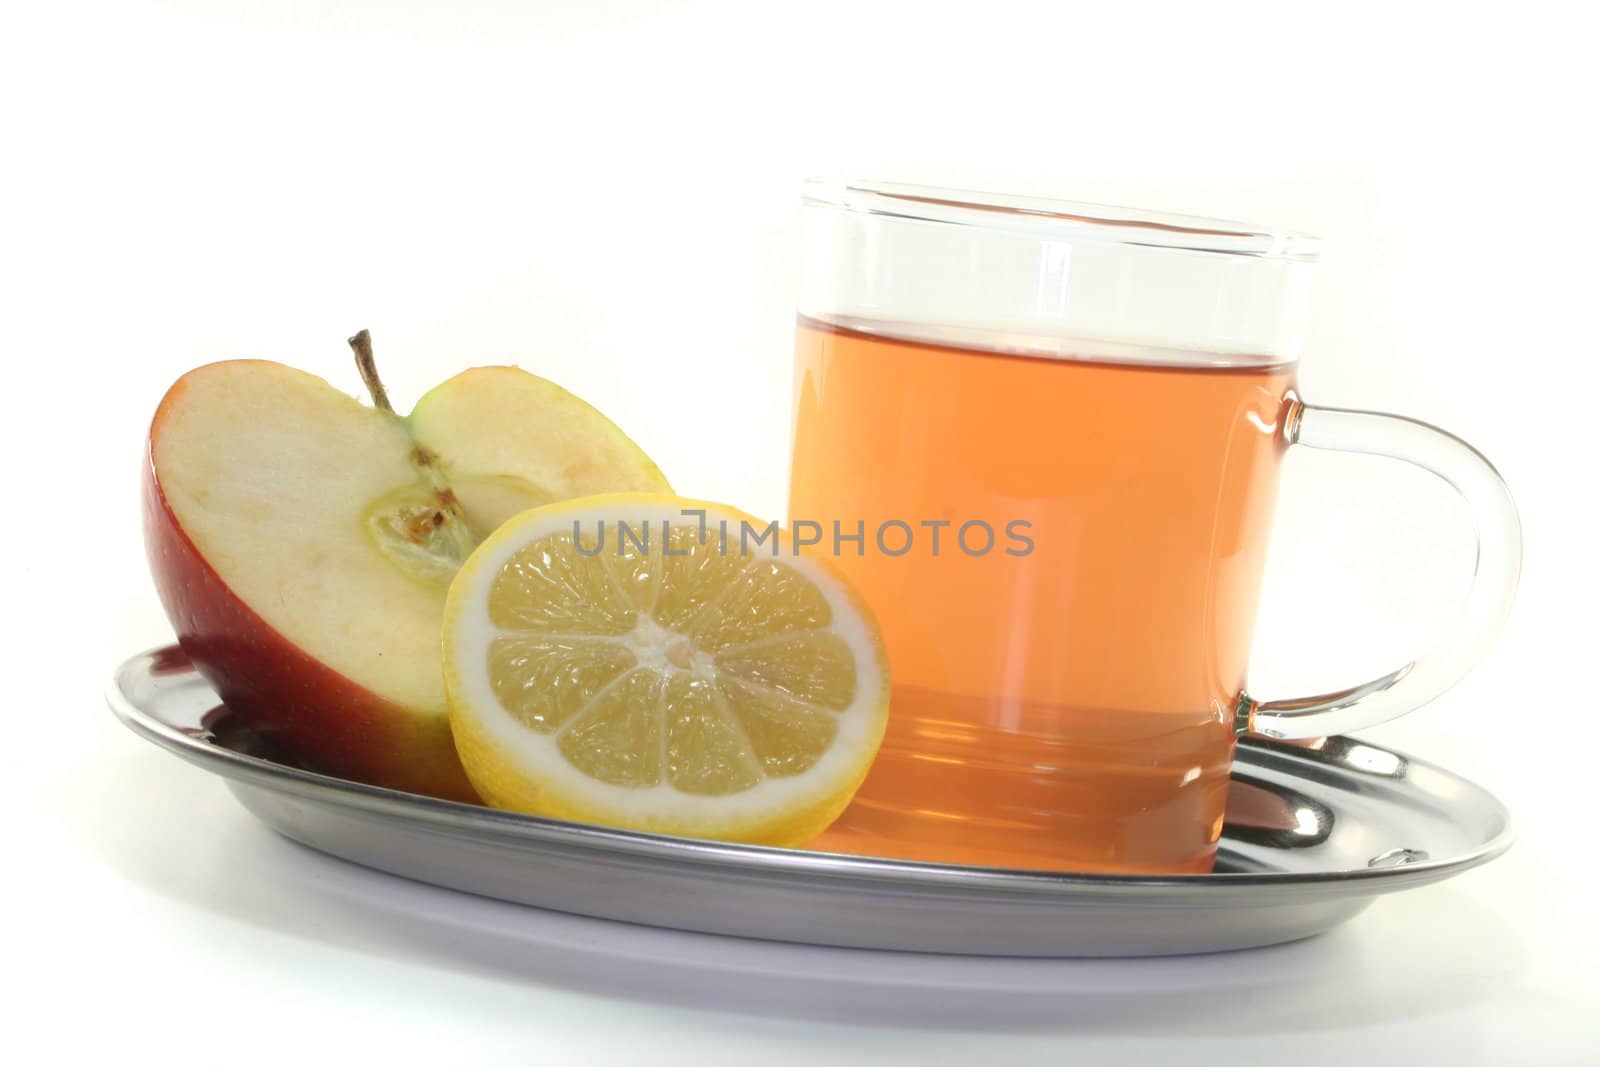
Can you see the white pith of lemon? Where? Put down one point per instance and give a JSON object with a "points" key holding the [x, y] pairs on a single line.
{"points": [[611, 659]]}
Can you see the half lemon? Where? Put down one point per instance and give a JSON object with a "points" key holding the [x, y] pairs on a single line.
{"points": [[662, 664]]}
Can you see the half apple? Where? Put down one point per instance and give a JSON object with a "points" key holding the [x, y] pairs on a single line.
{"points": [[302, 542]]}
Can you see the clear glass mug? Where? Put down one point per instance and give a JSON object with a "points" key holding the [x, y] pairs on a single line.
{"points": [[1043, 439]]}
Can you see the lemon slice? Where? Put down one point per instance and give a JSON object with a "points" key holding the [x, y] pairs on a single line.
{"points": [[620, 660]]}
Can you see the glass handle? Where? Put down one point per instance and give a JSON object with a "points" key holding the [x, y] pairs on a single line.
{"points": [[1494, 582]]}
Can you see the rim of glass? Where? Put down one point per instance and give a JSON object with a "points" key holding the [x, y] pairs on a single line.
{"points": [[1049, 217]]}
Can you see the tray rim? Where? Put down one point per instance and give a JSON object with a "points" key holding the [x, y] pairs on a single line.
{"points": [[747, 860]]}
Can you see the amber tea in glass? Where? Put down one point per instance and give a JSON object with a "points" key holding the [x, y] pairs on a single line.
{"points": [[1043, 440]]}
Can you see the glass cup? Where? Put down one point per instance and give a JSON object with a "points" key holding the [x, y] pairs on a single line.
{"points": [[1043, 439]]}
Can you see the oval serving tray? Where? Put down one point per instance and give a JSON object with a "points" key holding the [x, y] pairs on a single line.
{"points": [[1313, 835]]}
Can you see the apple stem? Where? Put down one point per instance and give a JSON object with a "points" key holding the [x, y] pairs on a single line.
{"points": [[438, 530], [361, 343]]}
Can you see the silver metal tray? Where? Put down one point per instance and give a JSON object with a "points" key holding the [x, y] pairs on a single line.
{"points": [[1313, 835]]}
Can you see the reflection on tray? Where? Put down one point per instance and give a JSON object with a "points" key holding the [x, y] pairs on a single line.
{"points": [[234, 731], [1264, 813]]}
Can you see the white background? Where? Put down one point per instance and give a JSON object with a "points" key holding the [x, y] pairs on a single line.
{"points": [[604, 193]]}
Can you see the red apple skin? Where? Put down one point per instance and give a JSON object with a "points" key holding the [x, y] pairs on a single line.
{"points": [[328, 722]]}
